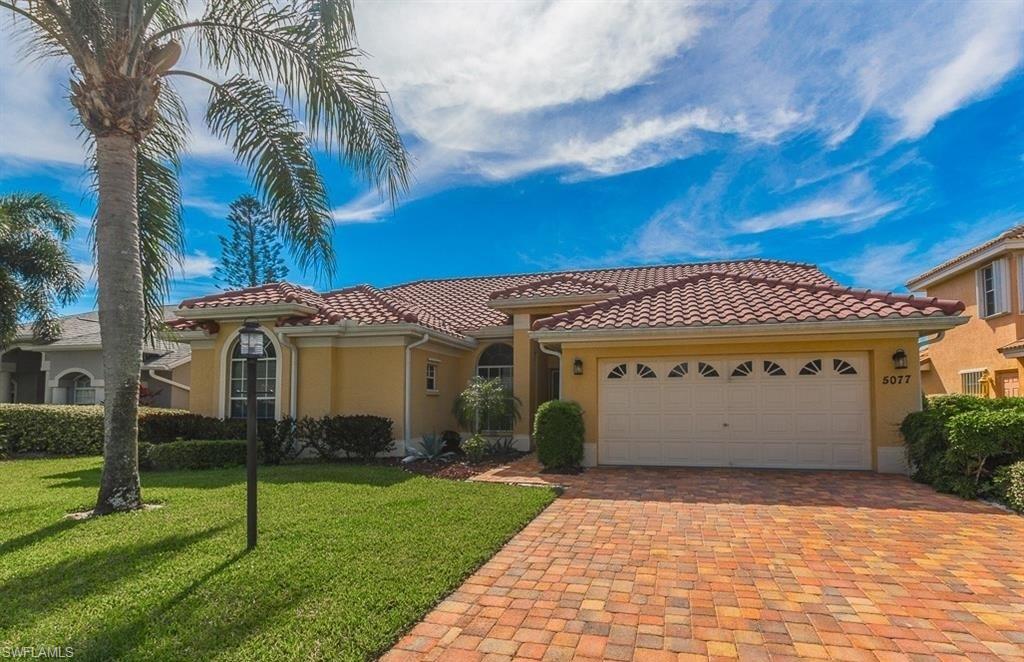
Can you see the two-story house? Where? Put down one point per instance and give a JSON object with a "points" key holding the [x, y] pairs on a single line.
{"points": [[983, 356]]}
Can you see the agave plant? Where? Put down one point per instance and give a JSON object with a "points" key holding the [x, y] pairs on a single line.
{"points": [[431, 449]]}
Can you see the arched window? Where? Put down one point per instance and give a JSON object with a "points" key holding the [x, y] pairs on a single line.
{"points": [[495, 362], [78, 389], [266, 382]]}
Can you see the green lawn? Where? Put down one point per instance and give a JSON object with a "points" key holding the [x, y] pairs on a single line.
{"points": [[348, 558]]}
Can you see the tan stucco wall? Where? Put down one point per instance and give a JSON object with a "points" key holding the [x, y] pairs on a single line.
{"points": [[432, 412], [889, 403], [973, 345], [182, 375]]}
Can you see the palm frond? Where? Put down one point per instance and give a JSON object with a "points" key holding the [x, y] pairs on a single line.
{"points": [[36, 270], [305, 50], [268, 140], [161, 234]]}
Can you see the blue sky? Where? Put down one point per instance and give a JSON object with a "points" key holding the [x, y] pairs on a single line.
{"points": [[874, 139]]}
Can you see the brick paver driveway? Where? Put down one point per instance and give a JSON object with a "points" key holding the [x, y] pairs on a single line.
{"points": [[690, 564]]}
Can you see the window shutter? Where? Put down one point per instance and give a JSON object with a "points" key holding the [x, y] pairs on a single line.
{"points": [[979, 286], [1003, 285]]}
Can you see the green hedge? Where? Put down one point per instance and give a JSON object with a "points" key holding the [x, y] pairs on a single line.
{"points": [[958, 442], [78, 430], [192, 454], [558, 431], [1009, 482]]}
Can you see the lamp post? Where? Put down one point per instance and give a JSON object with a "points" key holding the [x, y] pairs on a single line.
{"points": [[250, 341]]}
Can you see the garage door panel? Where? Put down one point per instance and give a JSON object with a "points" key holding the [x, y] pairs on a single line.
{"points": [[645, 398], [759, 411], [644, 425]]}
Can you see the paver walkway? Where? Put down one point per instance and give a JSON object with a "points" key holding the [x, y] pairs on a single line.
{"points": [[674, 564]]}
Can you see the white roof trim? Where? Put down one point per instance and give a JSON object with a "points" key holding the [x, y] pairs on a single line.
{"points": [[992, 252], [921, 324], [349, 328]]}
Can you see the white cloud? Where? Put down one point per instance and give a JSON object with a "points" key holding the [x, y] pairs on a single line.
{"points": [[990, 51], [197, 265], [673, 233], [367, 208], [499, 90], [880, 267], [853, 205]]}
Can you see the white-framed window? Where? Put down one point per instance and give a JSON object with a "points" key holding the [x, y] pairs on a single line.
{"points": [[82, 391], [266, 382], [972, 382], [495, 362], [994, 288], [432, 377]]}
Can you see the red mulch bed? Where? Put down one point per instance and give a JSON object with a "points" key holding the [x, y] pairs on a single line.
{"points": [[460, 469]]}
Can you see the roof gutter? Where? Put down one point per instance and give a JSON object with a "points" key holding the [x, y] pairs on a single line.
{"points": [[557, 355], [407, 423], [931, 277], [183, 387], [924, 324]]}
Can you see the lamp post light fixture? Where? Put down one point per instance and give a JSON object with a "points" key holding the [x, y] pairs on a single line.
{"points": [[899, 359], [250, 341], [577, 366]]}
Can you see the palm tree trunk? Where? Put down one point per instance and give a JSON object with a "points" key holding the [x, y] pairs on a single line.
{"points": [[122, 317]]}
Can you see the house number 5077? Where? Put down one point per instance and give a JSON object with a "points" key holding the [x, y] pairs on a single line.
{"points": [[896, 379]]}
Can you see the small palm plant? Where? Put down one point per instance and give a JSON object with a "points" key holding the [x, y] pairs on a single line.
{"points": [[36, 271], [485, 400]]}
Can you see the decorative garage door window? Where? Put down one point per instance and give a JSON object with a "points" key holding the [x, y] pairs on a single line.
{"points": [[679, 370], [645, 372], [843, 367], [811, 367], [618, 372], [743, 369], [773, 369], [707, 370]]}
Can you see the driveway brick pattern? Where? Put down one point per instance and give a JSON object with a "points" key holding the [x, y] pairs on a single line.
{"points": [[680, 564]]}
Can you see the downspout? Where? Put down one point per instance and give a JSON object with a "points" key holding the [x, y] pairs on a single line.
{"points": [[408, 386], [293, 379], [559, 356], [183, 387]]}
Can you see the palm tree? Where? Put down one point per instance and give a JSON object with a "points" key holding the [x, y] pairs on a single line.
{"points": [[283, 77], [36, 271]]}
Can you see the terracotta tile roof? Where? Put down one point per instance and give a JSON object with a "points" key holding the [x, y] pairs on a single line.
{"points": [[718, 299], [563, 285], [1016, 232], [1015, 345], [270, 293], [740, 291]]}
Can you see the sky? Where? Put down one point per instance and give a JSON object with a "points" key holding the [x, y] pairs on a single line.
{"points": [[873, 139]]}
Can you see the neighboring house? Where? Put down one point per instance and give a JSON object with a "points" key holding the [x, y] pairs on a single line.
{"points": [[746, 363], [69, 370], [982, 357]]}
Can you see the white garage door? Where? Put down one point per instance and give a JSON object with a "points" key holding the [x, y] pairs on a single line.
{"points": [[808, 411]]}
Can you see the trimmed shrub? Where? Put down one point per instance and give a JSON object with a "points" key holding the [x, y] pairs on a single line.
{"points": [[957, 441], [1009, 483], [558, 431], [362, 436], [192, 454], [475, 448], [978, 440]]}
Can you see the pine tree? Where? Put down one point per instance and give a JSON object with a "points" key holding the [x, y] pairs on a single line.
{"points": [[252, 254]]}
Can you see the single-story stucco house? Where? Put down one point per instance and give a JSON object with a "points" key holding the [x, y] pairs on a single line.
{"points": [[69, 369], [752, 363]]}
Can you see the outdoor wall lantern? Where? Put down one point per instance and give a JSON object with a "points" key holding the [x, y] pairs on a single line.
{"points": [[577, 366], [899, 359]]}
